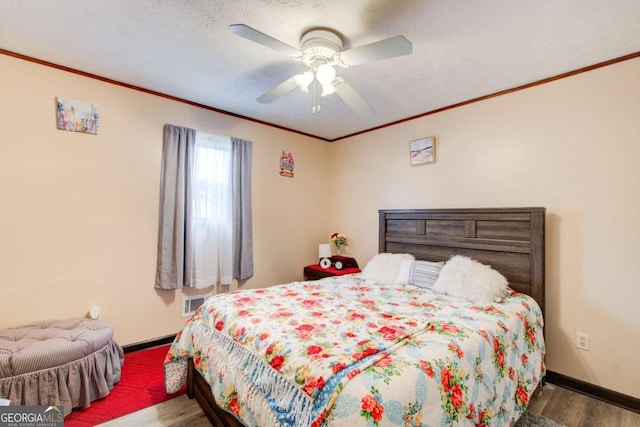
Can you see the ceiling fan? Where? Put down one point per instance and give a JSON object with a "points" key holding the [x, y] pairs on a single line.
{"points": [[321, 51]]}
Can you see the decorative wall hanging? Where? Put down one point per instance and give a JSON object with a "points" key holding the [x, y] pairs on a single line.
{"points": [[77, 116], [423, 151], [286, 164]]}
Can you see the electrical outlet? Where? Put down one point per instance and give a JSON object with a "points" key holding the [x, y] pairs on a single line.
{"points": [[582, 340]]}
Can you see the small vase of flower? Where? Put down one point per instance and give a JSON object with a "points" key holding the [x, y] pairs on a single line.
{"points": [[338, 239]]}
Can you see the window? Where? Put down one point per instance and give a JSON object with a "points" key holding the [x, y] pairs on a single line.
{"points": [[205, 235], [210, 236]]}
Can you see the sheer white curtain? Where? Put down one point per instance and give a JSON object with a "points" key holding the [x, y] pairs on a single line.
{"points": [[210, 236]]}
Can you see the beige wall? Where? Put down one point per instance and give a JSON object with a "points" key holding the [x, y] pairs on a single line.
{"points": [[79, 212], [572, 146]]}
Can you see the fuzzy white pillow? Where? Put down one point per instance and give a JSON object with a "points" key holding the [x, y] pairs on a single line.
{"points": [[463, 277], [385, 267]]}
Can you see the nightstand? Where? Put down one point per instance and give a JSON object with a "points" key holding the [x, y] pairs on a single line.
{"points": [[315, 272]]}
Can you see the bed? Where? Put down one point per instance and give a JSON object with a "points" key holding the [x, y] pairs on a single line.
{"points": [[362, 350]]}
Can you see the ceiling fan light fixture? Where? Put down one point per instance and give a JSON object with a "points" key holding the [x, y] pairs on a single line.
{"points": [[328, 89], [319, 45], [303, 80], [325, 74]]}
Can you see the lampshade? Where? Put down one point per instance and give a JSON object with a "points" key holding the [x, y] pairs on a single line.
{"points": [[303, 80], [325, 74], [328, 89], [324, 250]]}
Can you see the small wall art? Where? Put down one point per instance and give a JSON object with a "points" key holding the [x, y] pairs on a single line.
{"points": [[422, 151], [286, 164], [77, 116]]}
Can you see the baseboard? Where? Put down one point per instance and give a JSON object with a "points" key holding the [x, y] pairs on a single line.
{"points": [[148, 344], [613, 397]]}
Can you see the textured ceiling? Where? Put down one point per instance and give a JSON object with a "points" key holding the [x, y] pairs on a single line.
{"points": [[462, 49]]}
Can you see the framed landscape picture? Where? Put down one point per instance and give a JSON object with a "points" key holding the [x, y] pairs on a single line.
{"points": [[423, 151]]}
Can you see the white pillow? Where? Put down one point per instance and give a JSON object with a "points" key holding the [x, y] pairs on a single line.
{"points": [[418, 273], [403, 273], [466, 278], [385, 267]]}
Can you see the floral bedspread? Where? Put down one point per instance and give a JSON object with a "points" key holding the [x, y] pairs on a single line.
{"points": [[350, 351]]}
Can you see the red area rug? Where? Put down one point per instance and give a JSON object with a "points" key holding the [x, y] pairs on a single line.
{"points": [[141, 385]]}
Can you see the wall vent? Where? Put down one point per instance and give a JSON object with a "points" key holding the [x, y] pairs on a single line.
{"points": [[191, 304]]}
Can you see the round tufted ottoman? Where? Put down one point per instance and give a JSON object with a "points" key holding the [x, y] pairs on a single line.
{"points": [[59, 362]]}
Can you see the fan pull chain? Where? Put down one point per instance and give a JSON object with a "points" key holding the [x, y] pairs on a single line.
{"points": [[316, 106]]}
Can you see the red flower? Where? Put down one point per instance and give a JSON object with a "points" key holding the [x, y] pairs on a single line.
{"points": [[472, 412], [238, 333], [384, 362], [503, 326], [457, 349], [220, 325], [446, 378], [481, 418], [388, 333], [451, 329], [339, 367], [233, 405], [511, 374], [242, 301], [369, 352], [426, 366], [312, 384], [276, 362], [371, 405], [456, 396], [500, 358], [522, 395], [524, 358], [305, 331], [269, 349], [243, 312], [314, 349]]}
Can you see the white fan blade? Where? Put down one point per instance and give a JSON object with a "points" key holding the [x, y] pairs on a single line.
{"points": [[353, 99], [263, 39], [282, 89], [384, 49]]}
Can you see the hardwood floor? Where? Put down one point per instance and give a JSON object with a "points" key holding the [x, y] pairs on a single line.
{"points": [[557, 403], [177, 412], [578, 410]]}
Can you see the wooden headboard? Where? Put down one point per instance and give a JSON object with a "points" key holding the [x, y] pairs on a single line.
{"points": [[511, 240]]}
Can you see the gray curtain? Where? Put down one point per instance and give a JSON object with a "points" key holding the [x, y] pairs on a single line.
{"points": [[174, 248], [177, 163], [242, 222]]}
